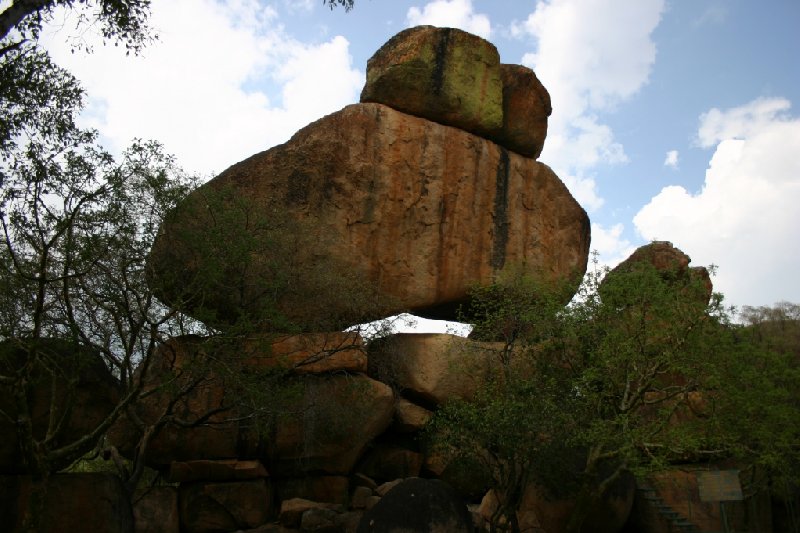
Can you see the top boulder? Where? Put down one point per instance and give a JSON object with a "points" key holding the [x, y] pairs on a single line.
{"points": [[455, 78]]}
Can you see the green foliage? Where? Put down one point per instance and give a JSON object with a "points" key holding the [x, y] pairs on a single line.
{"points": [[640, 370]]}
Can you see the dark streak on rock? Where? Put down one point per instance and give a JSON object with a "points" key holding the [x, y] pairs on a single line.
{"points": [[501, 212], [440, 59]]}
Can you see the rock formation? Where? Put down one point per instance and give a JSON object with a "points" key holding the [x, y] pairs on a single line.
{"points": [[416, 211], [402, 202]]}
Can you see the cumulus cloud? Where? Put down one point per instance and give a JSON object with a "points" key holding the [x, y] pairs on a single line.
{"points": [[745, 217], [611, 247], [591, 55], [452, 14], [196, 89], [672, 159]]}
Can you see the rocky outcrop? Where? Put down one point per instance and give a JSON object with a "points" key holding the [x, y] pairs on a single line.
{"points": [[157, 510], [418, 211], [694, 283], [227, 506]]}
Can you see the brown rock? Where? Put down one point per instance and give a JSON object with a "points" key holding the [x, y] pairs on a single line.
{"points": [[95, 394], [229, 506], [410, 417], [179, 362], [526, 106], [370, 201], [291, 513], [220, 470], [441, 74], [69, 502], [326, 489], [360, 497], [340, 415], [434, 367], [391, 462], [320, 521], [310, 353], [672, 264], [157, 510]]}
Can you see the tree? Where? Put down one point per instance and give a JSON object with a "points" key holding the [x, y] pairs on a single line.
{"points": [[639, 371]]}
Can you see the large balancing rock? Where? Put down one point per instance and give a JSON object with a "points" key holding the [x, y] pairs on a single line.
{"points": [[416, 212]]}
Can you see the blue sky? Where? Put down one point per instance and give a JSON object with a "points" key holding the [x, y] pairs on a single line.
{"points": [[673, 120]]}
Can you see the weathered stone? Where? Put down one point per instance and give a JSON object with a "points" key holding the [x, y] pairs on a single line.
{"points": [[320, 521], [410, 417], [95, 394], [228, 506], [183, 358], [292, 510], [442, 74], [340, 415], [69, 502], [326, 489], [310, 353], [360, 497], [415, 212], [219, 470], [526, 106], [434, 367], [157, 510], [418, 506], [349, 521], [391, 462], [384, 488]]}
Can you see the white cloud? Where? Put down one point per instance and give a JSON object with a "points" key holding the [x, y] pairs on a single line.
{"points": [[611, 247], [201, 89], [452, 14], [745, 218], [671, 160], [591, 55]]}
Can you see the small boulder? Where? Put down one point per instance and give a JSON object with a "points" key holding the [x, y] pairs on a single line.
{"points": [[157, 510], [526, 107]]}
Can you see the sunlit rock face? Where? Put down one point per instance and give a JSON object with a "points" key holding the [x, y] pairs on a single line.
{"points": [[425, 189]]}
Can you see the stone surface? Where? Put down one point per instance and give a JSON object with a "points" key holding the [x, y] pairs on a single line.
{"points": [[69, 502], [339, 416], [410, 417], [184, 356], [442, 74], [292, 510], [310, 353], [385, 463], [526, 106], [157, 510], [326, 489], [418, 506], [360, 497], [321, 521], [228, 506], [434, 367], [96, 393], [220, 470], [417, 211]]}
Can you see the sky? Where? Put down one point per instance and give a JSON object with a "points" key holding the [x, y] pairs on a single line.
{"points": [[672, 120]]}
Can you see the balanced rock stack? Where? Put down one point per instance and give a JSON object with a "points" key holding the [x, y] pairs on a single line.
{"points": [[426, 188]]}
